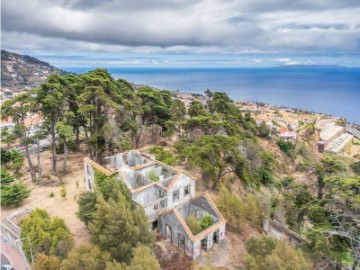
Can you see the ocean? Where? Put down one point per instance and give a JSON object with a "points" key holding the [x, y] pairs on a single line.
{"points": [[334, 91]]}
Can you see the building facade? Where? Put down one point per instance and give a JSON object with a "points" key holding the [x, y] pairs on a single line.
{"points": [[167, 196]]}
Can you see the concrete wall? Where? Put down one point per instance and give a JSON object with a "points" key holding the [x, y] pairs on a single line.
{"points": [[89, 176], [183, 181], [176, 229]]}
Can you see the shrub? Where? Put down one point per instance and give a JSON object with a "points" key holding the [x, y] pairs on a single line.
{"points": [[46, 262], [51, 194], [287, 147], [153, 176], [194, 224], [232, 207], [206, 222], [63, 192], [12, 194], [264, 252], [355, 167], [48, 235], [163, 155]]}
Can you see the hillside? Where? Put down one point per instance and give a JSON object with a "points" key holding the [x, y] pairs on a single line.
{"points": [[22, 72]]}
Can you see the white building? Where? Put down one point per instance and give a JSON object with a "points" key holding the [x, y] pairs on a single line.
{"points": [[167, 196]]}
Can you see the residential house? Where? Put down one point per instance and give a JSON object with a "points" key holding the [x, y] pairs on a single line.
{"points": [[167, 196]]}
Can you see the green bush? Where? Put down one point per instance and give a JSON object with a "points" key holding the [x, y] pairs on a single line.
{"points": [[63, 192], [287, 147], [48, 235], [194, 224], [153, 176], [12, 194], [355, 167], [265, 252], [164, 155], [206, 222]]}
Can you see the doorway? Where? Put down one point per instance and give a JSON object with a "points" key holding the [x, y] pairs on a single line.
{"points": [[181, 241], [168, 232]]}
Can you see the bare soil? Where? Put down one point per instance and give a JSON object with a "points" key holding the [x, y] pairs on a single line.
{"points": [[64, 208]]}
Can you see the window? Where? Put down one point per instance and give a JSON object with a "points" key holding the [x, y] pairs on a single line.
{"points": [[187, 190], [88, 170], [161, 193], [175, 195], [156, 206]]}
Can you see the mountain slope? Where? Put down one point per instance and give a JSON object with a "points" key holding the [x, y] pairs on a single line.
{"points": [[22, 72]]}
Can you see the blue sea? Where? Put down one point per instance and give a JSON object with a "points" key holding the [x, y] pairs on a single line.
{"points": [[334, 91]]}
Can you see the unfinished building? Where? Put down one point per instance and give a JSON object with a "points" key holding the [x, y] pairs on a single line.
{"points": [[167, 196]]}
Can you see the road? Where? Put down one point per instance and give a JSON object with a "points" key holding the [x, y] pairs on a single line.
{"points": [[4, 259]]}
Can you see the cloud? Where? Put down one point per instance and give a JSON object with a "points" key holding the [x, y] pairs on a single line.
{"points": [[183, 26]]}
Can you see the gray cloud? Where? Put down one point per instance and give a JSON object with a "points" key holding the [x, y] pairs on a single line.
{"points": [[182, 26]]}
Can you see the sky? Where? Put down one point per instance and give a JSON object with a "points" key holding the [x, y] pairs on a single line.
{"points": [[184, 33]]}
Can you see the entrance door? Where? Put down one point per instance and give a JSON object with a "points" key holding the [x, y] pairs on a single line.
{"points": [[168, 232], [181, 241], [216, 236]]}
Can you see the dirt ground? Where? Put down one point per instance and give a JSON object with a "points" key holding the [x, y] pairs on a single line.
{"points": [[64, 208]]}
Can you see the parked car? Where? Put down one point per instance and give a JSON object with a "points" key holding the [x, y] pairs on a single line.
{"points": [[7, 267]]}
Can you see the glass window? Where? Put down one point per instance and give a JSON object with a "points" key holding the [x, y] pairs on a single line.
{"points": [[176, 195], [187, 190]]}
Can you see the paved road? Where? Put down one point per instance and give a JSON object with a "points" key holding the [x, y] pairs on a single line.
{"points": [[4, 259]]}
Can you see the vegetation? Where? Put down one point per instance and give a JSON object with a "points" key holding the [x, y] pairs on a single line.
{"points": [[87, 206], [86, 256], [44, 262], [164, 155], [287, 147], [264, 252], [237, 211], [12, 192], [215, 138], [355, 167], [48, 235], [196, 225], [153, 176], [117, 228]]}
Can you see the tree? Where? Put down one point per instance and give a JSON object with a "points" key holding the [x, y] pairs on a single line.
{"points": [[12, 160], [217, 156], [47, 235], [197, 109], [38, 136], [144, 259], [13, 195], [264, 252], [109, 186], [297, 202], [177, 113], [232, 207], [86, 256], [326, 168], [117, 227], [50, 99], [87, 206], [263, 130], [44, 262], [65, 132], [18, 108]]}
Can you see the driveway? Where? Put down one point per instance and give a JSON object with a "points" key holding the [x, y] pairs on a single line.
{"points": [[4, 259]]}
